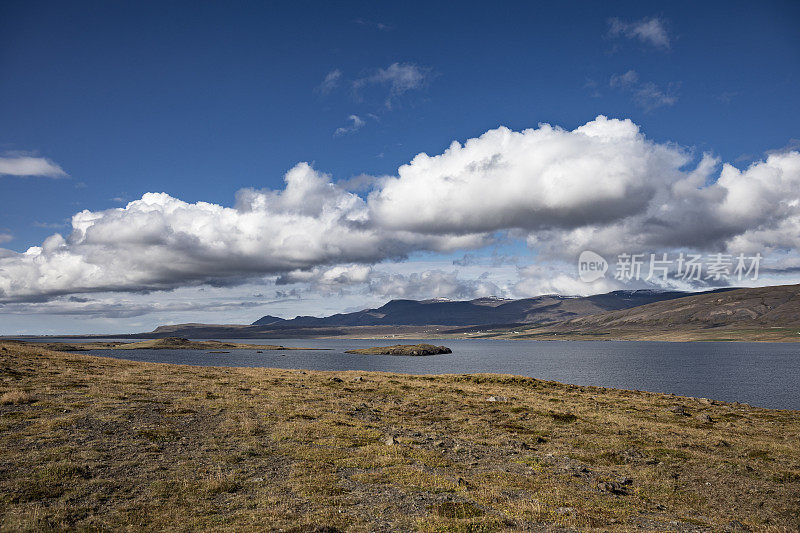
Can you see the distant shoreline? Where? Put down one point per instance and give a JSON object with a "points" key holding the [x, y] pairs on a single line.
{"points": [[169, 343], [424, 333]]}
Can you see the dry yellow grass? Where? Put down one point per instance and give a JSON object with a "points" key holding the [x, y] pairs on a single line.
{"points": [[15, 397], [120, 445]]}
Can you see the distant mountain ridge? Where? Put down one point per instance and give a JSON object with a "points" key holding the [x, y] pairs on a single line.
{"points": [[481, 311], [757, 307], [761, 313]]}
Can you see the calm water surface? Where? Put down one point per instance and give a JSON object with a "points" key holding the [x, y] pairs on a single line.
{"points": [[762, 374]]}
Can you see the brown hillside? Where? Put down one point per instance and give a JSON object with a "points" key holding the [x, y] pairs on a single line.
{"points": [[751, 307]]}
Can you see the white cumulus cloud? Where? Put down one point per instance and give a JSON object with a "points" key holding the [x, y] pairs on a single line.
{"points": [[740, 211], [534, 179], [25, 166], [602, 186], [160, 242]]}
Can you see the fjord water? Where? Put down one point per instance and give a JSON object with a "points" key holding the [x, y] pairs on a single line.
{"points": [[761, 374]]}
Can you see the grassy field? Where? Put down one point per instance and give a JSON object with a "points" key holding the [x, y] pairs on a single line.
{"points": [[90, 444]]}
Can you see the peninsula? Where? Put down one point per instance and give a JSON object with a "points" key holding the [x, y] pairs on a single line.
{"points": [[167, 343]]}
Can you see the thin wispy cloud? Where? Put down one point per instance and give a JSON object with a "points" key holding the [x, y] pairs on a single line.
{"points": [[399, 77], [646, 95], [331, 81], [356, 123], [650, 96], [592, 87], [6, 237], [650, 31], [29, 166], [49, 225], [389, 83], [111, 307], [495, 259], [792, 146], [431, 284], [625, 80], [344, 279], [372, 24]]}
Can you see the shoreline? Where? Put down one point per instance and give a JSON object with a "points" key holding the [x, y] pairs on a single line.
{"points": [[390, 374], [770, 335], [168, 343]]}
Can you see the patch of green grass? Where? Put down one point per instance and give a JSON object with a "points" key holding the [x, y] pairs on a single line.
{"points": [[787, 476], [534, 462], [159, 435], [514, 427], [458, 510], [409, 477], [34, 490], [61, 472], [564, 418], [758, 454], [49, 481], [671, 453]]}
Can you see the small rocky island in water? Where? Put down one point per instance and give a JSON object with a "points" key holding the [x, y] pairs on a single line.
{"points": [[403, 349]]}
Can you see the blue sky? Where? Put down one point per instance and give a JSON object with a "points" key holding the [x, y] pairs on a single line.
{"points": [[202, 99]]}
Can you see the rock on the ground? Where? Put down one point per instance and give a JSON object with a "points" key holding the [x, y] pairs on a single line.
{"points": [[496, 399]]}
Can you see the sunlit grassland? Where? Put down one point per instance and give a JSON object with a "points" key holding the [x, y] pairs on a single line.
{"points": [[92, 443]]}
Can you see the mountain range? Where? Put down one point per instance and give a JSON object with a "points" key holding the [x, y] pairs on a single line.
{"points": [[436, 316], [762, 313], [482, 311]]}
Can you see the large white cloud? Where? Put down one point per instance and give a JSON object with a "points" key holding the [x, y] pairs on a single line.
{"points": [[534, 179], [749, 211], [535, 280], [160, 242], [603, 186], [328, 280]]}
